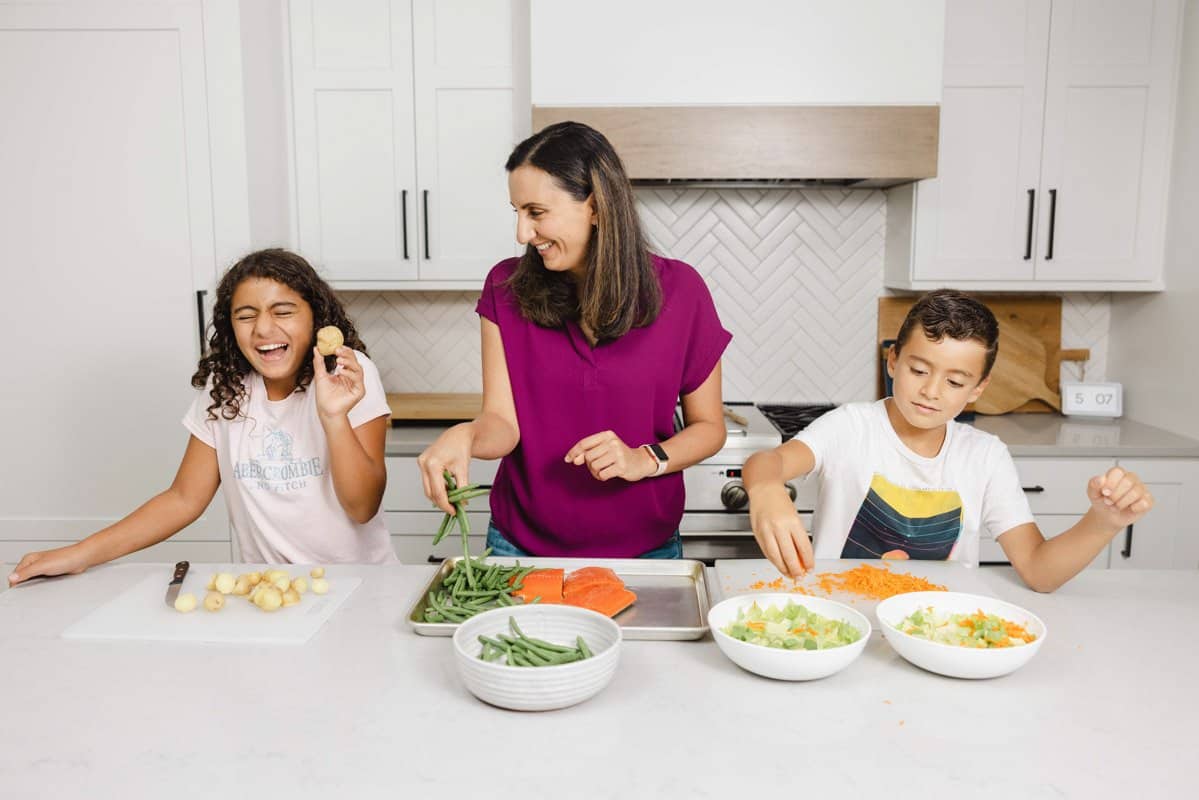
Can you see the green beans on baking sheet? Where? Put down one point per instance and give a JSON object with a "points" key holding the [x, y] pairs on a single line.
{"points": [[519, 650]]}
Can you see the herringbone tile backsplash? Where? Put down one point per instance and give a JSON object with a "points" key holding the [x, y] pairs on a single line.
{"points": [[796, 276]]}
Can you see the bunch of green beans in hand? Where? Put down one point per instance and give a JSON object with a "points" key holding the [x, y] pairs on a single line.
{"points": [[458, 497], [519, 650]]}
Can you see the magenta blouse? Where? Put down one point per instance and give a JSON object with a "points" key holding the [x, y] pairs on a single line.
{"points": [[565, 390]]}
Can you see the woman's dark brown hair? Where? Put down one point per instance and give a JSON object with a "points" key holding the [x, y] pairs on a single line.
{"points": [[224, 360], [947, 312], [621, 290]]}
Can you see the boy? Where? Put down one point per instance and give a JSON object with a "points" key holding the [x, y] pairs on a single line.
{"points": [[901, 479]]}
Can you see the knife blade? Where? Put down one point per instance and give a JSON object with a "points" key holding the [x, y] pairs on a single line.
{"points": [[176, 582]]}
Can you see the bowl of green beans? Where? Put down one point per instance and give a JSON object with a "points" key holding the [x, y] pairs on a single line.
{"points": [[537, 657]]}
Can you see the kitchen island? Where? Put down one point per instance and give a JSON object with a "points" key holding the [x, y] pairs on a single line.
{"points": [[369, 709]]}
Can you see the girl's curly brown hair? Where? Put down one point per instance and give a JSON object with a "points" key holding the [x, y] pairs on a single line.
{"points": [[224, 360]]}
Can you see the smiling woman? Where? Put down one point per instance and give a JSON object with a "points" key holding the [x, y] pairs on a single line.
{"points": [[302, 470], [589, 341]]}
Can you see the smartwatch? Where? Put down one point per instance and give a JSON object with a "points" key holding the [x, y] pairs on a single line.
{"points": [[658, 453]]}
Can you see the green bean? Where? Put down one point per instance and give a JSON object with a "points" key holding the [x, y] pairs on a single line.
{"points": [[583, 648], [463, 495], [463, 520], [443, 529], [449, 479]]}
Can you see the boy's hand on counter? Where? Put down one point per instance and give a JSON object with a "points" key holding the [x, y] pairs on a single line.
{"points": [[607, 457], [1118, 497], [779, 530]]}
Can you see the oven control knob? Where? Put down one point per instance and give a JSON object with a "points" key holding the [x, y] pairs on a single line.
{"points": [[734, 496], [791, 491]]}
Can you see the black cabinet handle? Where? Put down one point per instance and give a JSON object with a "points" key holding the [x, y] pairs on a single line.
{"points": [[1033, 489], [200, 294], [1127, 551], [425, 201], [1052, 221], [1032, 193], [404, 219]]}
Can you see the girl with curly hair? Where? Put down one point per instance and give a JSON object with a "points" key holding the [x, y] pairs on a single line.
{"points": [[295, 438]]}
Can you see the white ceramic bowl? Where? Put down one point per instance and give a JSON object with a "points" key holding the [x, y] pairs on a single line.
{"points": [[787, 665], [951, 660], [538, 688]]}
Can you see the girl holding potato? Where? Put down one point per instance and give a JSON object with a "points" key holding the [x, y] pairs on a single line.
{"points": [[298, 448], [589, 341]]}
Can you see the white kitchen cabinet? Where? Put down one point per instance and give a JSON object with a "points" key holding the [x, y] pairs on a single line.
{"points": [[1168, 536], [1056, 123], [404, 112], [122, 148]]}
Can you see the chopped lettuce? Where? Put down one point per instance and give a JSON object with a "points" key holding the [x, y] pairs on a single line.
{"points": [[791, 627], [977, 630]]}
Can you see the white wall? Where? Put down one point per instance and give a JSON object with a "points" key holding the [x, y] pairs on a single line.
{"points": [[1154, 347]]}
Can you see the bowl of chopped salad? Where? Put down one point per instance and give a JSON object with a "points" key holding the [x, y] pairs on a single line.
{"points": [[788, 638], [960, 635]]}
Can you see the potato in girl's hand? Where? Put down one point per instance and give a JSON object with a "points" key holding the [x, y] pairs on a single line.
{"points": [[328, 339]]}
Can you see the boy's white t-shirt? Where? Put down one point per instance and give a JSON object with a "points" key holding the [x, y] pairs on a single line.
{"points": [[876, 495], [274, 466]]}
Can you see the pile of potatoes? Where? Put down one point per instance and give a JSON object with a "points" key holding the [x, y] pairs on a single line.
{"points": [[270, 590]]}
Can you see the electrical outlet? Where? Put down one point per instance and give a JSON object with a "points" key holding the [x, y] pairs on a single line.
{"points": [[1092, 399]]}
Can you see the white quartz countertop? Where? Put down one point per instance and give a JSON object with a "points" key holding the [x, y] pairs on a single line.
{"points": [[1026, 435], [369, 709]]}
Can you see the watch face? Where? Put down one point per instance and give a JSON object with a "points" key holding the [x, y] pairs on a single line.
{"points": [[659, 452]]}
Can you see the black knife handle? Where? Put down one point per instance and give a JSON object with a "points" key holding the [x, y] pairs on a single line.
{"points": [[180, 571]]}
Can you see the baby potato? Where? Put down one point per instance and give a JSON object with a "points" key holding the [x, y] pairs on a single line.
{"points": [[272, 575], [242, 587], [282, 584], [185, 602], [317, 572], [214, 601], [320, 586], [300, 585], [254, 577], [328, 339], [211, 583], [291, 597], [269, 599], [224, 583]]}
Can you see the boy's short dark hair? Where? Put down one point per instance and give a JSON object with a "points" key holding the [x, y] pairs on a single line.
{"points": [[948, 312]]}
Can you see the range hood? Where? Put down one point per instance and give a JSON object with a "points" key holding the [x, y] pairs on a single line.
{"points": [[862, 147]]}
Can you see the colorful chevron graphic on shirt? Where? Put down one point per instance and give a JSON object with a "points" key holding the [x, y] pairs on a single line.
{"points": [[920, 523]]}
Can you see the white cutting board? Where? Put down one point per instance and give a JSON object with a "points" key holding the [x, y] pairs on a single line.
{"points": [[141, 612], [736, 576]]}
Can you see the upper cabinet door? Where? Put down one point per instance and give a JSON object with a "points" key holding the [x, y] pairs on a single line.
{"points": [[355, 167], [467, 122], [1107, 139], [976, 220]]}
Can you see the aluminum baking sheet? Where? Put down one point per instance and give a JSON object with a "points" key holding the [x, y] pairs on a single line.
{"points": [[672, 595]]}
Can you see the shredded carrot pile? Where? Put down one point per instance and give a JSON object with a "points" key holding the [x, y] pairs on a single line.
{"points": [[877, 583]]}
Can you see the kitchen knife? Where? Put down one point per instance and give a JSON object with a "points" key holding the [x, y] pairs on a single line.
{"points": [[176, 582]]}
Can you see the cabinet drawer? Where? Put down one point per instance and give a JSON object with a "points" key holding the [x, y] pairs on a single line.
{"points": [[1059, 485], [416, 550], [990, 551], [405, 491]]}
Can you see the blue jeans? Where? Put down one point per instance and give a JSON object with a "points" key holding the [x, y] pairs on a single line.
{"points": [[500, 546]]}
